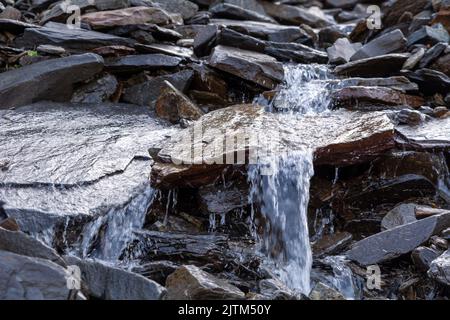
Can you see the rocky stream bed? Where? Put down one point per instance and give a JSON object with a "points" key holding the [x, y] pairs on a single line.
{"points": [[224, 149]]}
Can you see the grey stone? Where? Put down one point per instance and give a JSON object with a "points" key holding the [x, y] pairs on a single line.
{"points": [[191, 283], [111, 4], [430, 81], [390, 42], [25, 278], [429, 35], [395, 242], [97, 91], [255, 67], [373, 67], [422, 258], [230, 11], [397, 83], [323, 292], [414, 59], [110, 283], [342, 50], [49, 49], [75, 40], [184, 7], [134, 63], [204, 41], [15, 26], [297, 15], [147, 93], [400, 215], [440, 269], [432, 54], [22, 244], [49, 80]]}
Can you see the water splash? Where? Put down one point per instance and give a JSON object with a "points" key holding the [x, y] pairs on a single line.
{"points": [[342, 278], [283, 197]]}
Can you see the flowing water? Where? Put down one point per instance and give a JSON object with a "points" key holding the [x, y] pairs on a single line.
{"points": [[280, 186]]}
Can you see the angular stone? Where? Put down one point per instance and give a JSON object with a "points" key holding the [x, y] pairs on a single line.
{"points": [[49, 80], [430, 81], [255, 67], [395, 242], [22, 244], [60, 11], [374, 98], [186, 8], [398, 8], [429, 35], [15, 26], [147, 93], [114, 51], [344, 139], [173, 105], [400, 215], [141, 62], [422, 258], [397, 83], [110, 283], [297, 15], [342, 50], [97, 91], [191, 283], [25, 278], [75, 40], [103, 5], [414, 59], [390, 42], [230, 11], [205, 40], [410, 117], [323, 292], [432, 54], [440, 269], [442, 64], [167, 49], [373, 67], [429, 135], [52, 50], [332, 244], [122, 17]]}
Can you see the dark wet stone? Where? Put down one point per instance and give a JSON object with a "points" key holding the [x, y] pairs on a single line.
{"points": [[429, 35], [25, 278], [147, 93], [255, 67], [380, 66], [141, 62], [393, 243], [75, 40], [410, 117], [186, 8], [397, 83], [398, 8], [191, 283], [97, 91], [173, 105], [110, 283], [414, 59], [391, 42], [430, 81], [400, 215], [422, 258], [51, 50], [230, 11], [171, 50], [440, 269], [49, 80], [322, 291], [156, 270], [296, 15], [204, 41], [332, 244], [221, 200], [432, 54], [103, 5], [15, 26]]}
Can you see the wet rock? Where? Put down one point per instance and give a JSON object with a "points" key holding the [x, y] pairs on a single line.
{"points": [[446, 234], [439, 112], [51, 50], [430, 81], [10, 13], [374, 98], [49, 80], [398, 8], [414, 59], [342, 50], [147, 93], [191, 283], [373, 67], [122, 17], [25, 278], [440, 269], [60, 11], [397, 83], [114, 51], [429, 35], [282, 51], [171, 50], [255, 67], [205, 40], [442, 64], [273, 289], [103, 5], [230, 11], [173, 105], [97, 91], [422, 258], [439, 243], [332, 142], [323, 292], [187, 9], [390, 42], [410, 117], [297, 15], [332, 244], [221, 200], [400, 215], [135, 63], [157, 271], [22, 244], [432, 54], [265, 31], [15, 26], [9, 224], [110, 283], [75, 40], [395, 242]]}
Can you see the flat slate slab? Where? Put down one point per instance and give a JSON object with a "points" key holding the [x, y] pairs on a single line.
{"points": [[434, 134]]}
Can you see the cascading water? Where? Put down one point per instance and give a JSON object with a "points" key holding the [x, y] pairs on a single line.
{"points": [[281, 185]]}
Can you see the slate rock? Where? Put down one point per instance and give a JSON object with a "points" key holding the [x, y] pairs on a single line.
{"points": [[49, 80], [230, 11], [440, 269], [414, 59], [379, 66], [432, 54], [400, 215], [422, 258], [134, 63], [97, 91], [429, 35], [430, 81], [186, 8], [342, 50]]}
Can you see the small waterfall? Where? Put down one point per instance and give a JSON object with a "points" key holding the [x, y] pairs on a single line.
{"points": [[107, 237], [283, 198]]}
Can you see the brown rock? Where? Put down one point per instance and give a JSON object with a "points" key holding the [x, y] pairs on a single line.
{"points": [[128, 16], [173, 105]]}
